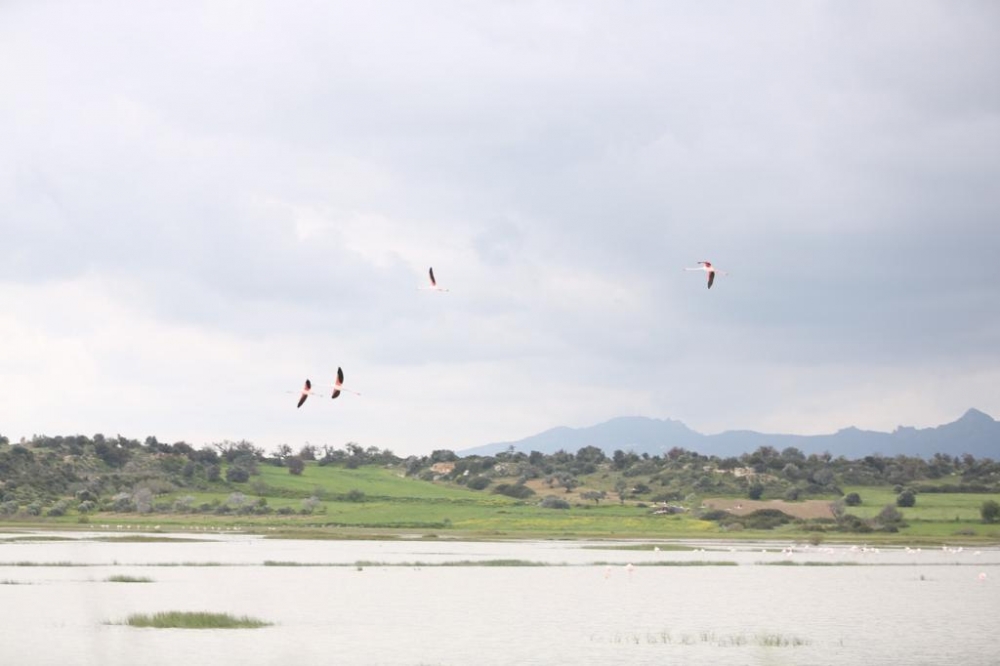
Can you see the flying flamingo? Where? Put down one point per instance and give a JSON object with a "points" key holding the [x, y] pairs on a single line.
{"points": [[306, 392], [339, 385], [434, 285], [708, 268]]}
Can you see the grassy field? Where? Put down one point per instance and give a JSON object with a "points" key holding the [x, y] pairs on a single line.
{"points": [[393, 504], [938, 507]]}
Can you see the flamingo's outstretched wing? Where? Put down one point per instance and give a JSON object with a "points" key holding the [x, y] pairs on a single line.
{"points": [[305, 393], [340, 382]]}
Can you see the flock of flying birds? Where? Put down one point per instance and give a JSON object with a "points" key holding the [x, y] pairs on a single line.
{"points": [[338, 386]]}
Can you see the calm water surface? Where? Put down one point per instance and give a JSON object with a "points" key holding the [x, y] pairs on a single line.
{"points": [[587, 607]]}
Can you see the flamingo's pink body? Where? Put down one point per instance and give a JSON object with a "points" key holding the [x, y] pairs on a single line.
{"points": [[709, 269]]}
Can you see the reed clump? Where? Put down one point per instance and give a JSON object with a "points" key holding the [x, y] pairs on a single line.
{"points": [[194, 620]]}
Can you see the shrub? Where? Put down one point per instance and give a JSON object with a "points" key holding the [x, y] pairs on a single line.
{"points": [[86, 506], [237, 474], [889, 516], [478, 482], [553, 502], [852, 499], [57, 509], [515, 490], [355, 495], [852, 523], [906, 498], [765, 519], [990, 511], [755, 491]]}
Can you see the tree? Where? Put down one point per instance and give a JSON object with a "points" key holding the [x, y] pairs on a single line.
{"points": [[591, 454], [889, 516], [283, 453], [852, 499], [990, 511], [295, 465], [906, 498]]}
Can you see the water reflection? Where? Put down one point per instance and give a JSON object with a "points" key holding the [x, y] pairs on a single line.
{"points": [[928, 607]]}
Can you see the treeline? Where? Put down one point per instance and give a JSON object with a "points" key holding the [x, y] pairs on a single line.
{"points": [[46, 474], [786, 474], [116, 474]]}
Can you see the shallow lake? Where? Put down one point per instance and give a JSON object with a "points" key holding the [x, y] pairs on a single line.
{"points": [[451, 602]]}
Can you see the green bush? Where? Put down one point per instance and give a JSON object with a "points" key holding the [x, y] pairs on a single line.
{"points": [[990, 511], [478, 482], [515, 490], [852, 499], [237, 474], [553, 502], [906, 498]]}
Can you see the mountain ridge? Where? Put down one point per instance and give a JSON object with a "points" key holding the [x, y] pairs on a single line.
{"points": [[975, 433]]}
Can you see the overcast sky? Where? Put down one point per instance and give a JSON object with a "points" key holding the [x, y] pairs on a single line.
{"points": [[203, 204]]}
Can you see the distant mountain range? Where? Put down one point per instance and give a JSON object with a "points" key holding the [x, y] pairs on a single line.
{"points": [[975, 433]]}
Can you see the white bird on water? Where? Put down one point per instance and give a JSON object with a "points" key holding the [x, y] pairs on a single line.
{"points": [[434, 285], [709, 269]]}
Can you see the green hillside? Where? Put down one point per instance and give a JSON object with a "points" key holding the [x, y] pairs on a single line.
{"points": [[81, 482]]}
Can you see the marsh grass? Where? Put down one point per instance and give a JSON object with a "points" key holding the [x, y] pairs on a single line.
{"points": [[665, 637], [186, 620], [143, 538], [644, 547], [790, 563], [675, 563], [122, 578]]}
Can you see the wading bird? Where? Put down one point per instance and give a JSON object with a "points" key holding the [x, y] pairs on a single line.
{"points": [[434, 285], [708, 268]]}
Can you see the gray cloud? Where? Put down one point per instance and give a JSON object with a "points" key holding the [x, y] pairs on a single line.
{"points": [[281, 178]]}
